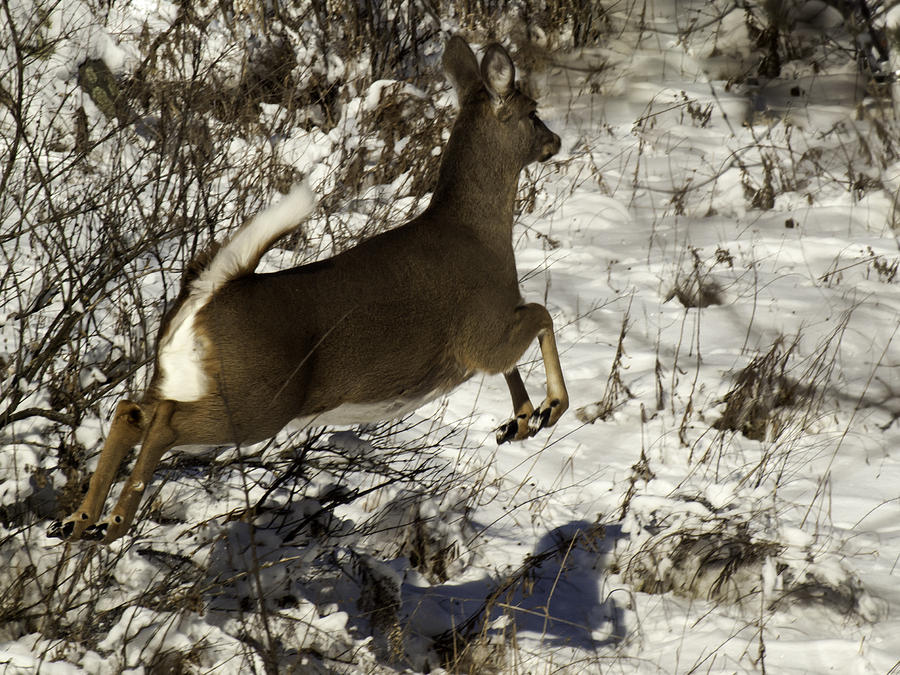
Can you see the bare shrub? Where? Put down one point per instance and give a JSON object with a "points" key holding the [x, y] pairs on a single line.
{"points": [[379, 602], [761, 389], [697, 287], [260, 564], [885, 269], [723, 563], [616, 390], [725, 555], [773, 396], [430, 529]]}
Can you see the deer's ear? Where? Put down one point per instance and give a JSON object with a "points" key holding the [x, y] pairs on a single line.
{"points": [[498, 71], [461, 67]]}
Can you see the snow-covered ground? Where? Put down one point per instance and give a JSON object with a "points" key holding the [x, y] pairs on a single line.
{"points": [[721, 261]]}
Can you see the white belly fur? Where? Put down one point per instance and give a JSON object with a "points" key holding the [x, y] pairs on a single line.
{"points": [[344, 415], [363, 413]]}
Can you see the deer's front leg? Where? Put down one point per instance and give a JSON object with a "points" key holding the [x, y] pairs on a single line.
{"points": [[557, 400], [533, 321], [124, 433], [517, 428]]}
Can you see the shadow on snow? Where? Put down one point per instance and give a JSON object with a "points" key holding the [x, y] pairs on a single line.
{"points": [[556, 596]]}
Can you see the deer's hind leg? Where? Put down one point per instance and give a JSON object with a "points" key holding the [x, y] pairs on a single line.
{"points": [[160, 436], [126, 430]]}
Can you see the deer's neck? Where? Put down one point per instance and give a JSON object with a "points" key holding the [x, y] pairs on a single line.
{"points": [[476, 188]]}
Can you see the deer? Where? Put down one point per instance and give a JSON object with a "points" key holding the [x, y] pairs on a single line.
{"points": [[367, 335]]}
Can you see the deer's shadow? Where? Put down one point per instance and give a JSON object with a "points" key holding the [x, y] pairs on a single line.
{"points": [[556, 596]]}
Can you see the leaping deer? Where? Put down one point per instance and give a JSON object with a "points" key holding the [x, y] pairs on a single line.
{"points": [[368, 335]]}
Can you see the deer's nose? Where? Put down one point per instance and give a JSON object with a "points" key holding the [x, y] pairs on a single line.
{"points": [[550, 147]]}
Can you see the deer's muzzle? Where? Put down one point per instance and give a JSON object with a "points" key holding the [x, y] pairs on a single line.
{"points": [[550, 147]]}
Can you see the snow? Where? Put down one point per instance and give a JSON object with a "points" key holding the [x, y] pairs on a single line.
{"points": [[637, 535]]}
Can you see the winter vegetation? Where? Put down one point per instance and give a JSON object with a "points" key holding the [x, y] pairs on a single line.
{"points": [[717, 241]]}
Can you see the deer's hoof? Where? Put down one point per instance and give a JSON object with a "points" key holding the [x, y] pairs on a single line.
{"points": [[110, 529], [506, 432], [547, 415], [71, 528], [95, 532], [539, 419], [61, 530], [516, 429]]}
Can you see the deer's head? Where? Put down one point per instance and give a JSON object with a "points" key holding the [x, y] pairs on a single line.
{"points": [[497, 115]]}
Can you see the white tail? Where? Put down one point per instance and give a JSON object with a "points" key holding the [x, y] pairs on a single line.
{"points": [[368, 334], [241, 254], [180, 352]]}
